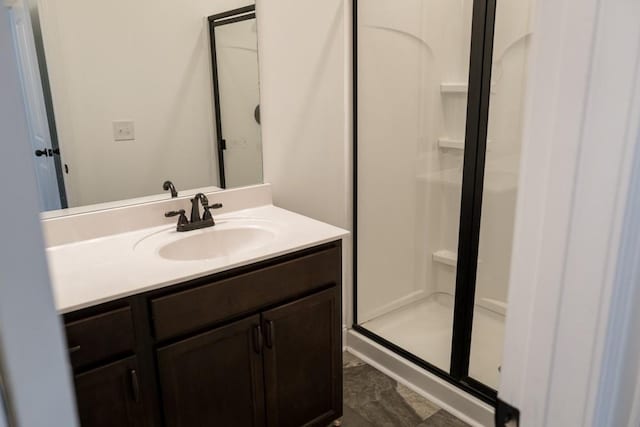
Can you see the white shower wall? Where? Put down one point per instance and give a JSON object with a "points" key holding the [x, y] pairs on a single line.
{"points": [[413, 71], [404, 56]]}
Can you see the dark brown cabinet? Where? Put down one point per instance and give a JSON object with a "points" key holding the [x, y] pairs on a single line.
{"points": [[214, 379], [256, 346], [302, 361], [110, 396], [100, 337]]}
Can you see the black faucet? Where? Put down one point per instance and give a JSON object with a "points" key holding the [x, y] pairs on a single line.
{"points": [[195, 209], [196, 222], [168, 185]]}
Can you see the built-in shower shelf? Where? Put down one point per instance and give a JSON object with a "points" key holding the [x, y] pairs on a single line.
{"points": [[449, 87], [454, 87], [453, 144], [446, 257], [448, 143]]}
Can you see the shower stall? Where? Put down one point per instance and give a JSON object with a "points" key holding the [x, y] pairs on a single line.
{"points": [[438, 100]]}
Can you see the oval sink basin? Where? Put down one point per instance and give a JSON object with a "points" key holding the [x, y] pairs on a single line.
{"points": [[230, 236], [216, 242]]}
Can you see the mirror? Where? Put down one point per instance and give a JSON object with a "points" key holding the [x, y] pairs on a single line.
{"points": [[234, 54], [125, 95]]}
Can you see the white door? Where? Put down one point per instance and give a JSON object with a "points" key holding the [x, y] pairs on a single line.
{"points": [[39, 135], [237, 63], [572, 346]]}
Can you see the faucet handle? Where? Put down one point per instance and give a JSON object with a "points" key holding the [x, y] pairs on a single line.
{"points": [[174, 213], [207, 212], [183, 218]]}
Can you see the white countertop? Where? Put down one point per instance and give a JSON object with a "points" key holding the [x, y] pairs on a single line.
{"points": [[92, 272]]}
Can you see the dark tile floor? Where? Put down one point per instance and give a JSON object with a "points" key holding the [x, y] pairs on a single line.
{"points": [[372, 399]]}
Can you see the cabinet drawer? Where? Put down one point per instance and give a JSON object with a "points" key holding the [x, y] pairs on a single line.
{"points": [[100, 337], [205, 305], [112, 395]]}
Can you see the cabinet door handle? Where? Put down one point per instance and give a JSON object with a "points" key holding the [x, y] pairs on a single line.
{"points": [[257, 339], [270, 328], [135, 386], [74, 349]]}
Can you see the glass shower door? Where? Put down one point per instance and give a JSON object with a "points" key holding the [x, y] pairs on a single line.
{"points": [[438, 89], [412, 105], [509, 74]]}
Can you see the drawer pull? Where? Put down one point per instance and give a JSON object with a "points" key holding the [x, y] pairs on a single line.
{"points": [[102, 336], [135, 387], [257, 339], [269, 339]]}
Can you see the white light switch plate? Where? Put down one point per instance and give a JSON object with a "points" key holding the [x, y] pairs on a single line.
{"points": [[123, 131]]}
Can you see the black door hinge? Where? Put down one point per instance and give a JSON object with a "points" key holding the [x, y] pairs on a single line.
{"points": [[506, 415], [223, 144]]}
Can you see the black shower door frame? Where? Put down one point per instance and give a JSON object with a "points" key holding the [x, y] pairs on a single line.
{"points": [[478, 98]]}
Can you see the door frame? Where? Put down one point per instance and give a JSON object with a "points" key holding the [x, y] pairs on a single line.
{"points": [[33, 354], [477, 116], [223, 18], [572, 350]]}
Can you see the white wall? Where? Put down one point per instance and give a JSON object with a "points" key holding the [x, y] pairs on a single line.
{"points": [[301, 49], [304, 92], [143, 61], [33, 354]]}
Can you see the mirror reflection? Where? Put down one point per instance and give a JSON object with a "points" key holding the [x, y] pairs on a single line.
{"points": [[124, 96], [234, 53]]}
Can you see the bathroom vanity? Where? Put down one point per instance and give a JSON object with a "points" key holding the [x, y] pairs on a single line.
{"points": [[252, 338], [258, 345]]}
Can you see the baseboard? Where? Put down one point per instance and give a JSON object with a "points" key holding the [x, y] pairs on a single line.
{"points": [[464, 406], [344, 337]]}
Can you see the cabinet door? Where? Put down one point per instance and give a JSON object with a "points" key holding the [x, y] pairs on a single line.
{"points": [[214, 379], [302, 361], [111, 396]]}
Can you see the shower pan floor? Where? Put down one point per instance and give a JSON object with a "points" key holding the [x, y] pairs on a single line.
{"points": [[424, 328]]}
